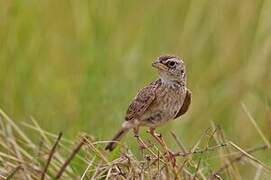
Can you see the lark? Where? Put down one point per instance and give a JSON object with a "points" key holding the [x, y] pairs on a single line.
{"points": [[161, 101]]}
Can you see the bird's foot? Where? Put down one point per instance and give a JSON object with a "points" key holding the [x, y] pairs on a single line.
{"points": [[170, 156], [157, 136], [152, 132]]}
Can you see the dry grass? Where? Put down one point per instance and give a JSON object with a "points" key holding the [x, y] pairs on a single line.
{"points": [[56, 157], [76, 65]]}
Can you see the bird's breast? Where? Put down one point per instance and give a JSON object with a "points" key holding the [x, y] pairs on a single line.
{"points": [[165, 106]]}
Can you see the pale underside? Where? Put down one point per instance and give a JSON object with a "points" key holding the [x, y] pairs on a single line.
{"points": [[157, 103]]}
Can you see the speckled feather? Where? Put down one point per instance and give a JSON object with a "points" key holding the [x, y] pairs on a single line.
{"points": [[162, 100], [142, 101], [157, 103]]}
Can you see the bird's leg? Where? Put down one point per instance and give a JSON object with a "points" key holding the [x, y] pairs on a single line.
{"points": [[159, 138], [141, 143]]}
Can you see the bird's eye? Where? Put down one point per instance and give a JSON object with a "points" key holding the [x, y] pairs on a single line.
{"points": [[171, 63], [182, 71]]}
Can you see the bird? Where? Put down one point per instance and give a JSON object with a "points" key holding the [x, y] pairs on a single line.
{"points": [[163, 100]]}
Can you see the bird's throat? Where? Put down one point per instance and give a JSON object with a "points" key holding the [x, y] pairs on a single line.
{"points": [[172, 83]]}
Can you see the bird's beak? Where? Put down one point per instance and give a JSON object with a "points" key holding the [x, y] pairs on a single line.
{"points": [[158, 65]]}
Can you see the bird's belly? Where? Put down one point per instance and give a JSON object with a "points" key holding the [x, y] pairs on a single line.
{"points": [[162, 111]]}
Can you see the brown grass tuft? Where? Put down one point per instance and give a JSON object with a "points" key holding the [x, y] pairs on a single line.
{"points": [[59, 158]]}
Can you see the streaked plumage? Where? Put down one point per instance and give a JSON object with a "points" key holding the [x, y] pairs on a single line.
{"points": [[162, 100]]}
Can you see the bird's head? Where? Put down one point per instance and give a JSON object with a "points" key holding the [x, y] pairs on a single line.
{"points": [[170, 68]]}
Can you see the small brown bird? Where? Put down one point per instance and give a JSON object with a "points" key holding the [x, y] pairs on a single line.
{"points": [[162, 100]]}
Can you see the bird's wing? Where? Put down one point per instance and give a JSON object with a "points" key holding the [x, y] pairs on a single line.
{"points": [[186, 104], [142, 101]]}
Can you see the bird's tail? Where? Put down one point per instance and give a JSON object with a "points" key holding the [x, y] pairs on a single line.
{"points": [[111, 145]]}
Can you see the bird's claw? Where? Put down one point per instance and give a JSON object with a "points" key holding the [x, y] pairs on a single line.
{"points": [[171, 157], [158, 135], [154, 133]]}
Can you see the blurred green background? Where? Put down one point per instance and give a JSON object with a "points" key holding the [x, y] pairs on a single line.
{"points": [[75, 65]]}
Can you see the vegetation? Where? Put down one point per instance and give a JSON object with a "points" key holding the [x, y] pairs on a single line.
{"points": [[53, 157], [75, 65]]}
